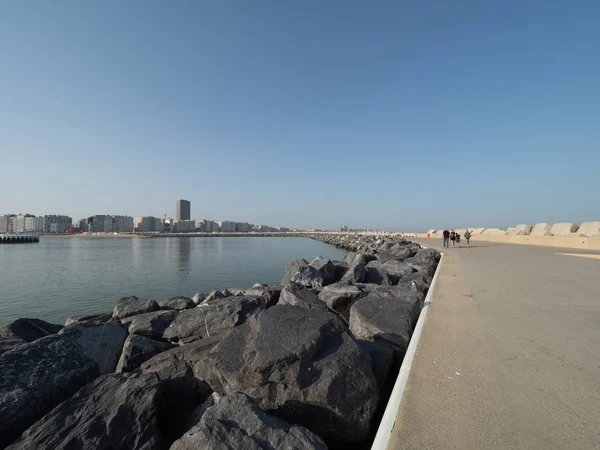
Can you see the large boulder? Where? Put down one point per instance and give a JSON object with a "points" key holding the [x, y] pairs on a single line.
{"points": [[138, 349], [541, 229], [382, 360], [301, 272], [340, 269], [271, 294], [563, 229], [152, 324], [589, 229], [7, 344], [354, 258], [182, 390], [302, 364], [213, 317], [418, 282], [387, 316], [295, 294], [102, 343], [36, 377], [28, 329], [177, 303], [377, 274], [130, 306], [339, 296], [326, 266], [91, 319], [356, 274], [397, 269], [116, 411], [237, 422]]}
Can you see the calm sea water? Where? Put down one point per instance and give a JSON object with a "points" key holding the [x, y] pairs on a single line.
{"points": [[59, 277]]}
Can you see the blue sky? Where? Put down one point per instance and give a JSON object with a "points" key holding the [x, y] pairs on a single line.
{"points": [[389, 114]]}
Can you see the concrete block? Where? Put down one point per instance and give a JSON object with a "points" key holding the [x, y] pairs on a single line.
{"points": [[541, 229], [478, 230], [589, 229], [563, 229], [495, 231], [524, 227]]}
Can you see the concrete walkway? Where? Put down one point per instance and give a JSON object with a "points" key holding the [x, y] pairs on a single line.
{"points": [[510, 353]]}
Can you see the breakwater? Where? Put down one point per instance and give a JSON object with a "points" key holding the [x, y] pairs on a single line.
{"points": [[19, 238], [305, 364]]}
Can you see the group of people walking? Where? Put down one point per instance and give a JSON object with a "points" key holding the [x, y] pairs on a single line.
{"points": [[454, 237]]}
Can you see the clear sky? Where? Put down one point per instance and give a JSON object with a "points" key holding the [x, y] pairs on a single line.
{"points": [[390, 114]]}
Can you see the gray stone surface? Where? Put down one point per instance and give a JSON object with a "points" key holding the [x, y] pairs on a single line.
{"points": [[102, 343], [93, 319], [353, 258], [339, 295], [271, 294], [130, 306], [28, 329], [382, 360], [138, 349], [387, 316], [36, 377], [301, 272], [356, 274], [398, 269], [377, 274], [340, 269], [7, 344], [116, 411], [183, 391], [295, 294], [198, 297], [213, 317], [304, 365], [177, 303], [237, 422], [152, 324], [327, 267]]}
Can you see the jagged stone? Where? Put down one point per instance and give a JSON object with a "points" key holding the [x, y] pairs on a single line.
{"points": [[28, 329], [177, 303], [138, 349], [130, 306]]}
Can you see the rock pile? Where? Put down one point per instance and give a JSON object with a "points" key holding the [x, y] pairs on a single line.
{"points": [[302, 365]]}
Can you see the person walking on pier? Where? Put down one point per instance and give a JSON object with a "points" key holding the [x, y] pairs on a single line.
{"points": [[453, 237], [446, 235], [458, 239], [468, 237]]}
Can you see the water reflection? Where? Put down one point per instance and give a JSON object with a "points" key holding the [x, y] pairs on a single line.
{"points": [[183, 251]]}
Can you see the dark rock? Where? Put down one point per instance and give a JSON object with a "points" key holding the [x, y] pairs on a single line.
{"points": [[340, 269], [428, 253], [176, 303], [7, 344], [376, 274], [152, 324], [197, 414], [93, 319], [397, 269], [356, 274], [213, 317], [301, 364], [423, 265], [325, 266], [182, 390], [138, 349], [301, 272], [116, 411], [102, 343], [271, 294], [295, 294], [36, 377], [339, 297], [386, 315], [417, 281], [354, 258], [382, 360], [28, 329], [130, 306], [213, 296], [237, 422]]}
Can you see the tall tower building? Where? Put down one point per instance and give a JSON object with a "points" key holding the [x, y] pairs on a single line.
{"points": [[183, 210]]}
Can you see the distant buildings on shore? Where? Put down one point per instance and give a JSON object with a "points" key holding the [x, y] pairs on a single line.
{"points": [[28, 223]]}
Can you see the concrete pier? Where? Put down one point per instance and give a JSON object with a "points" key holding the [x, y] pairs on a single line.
{"points": [[18, 238], [508, 357]]}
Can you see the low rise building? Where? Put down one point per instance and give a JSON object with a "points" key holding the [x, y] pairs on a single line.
{"points": [[148, 224], [57, 223], [184, 226]]}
